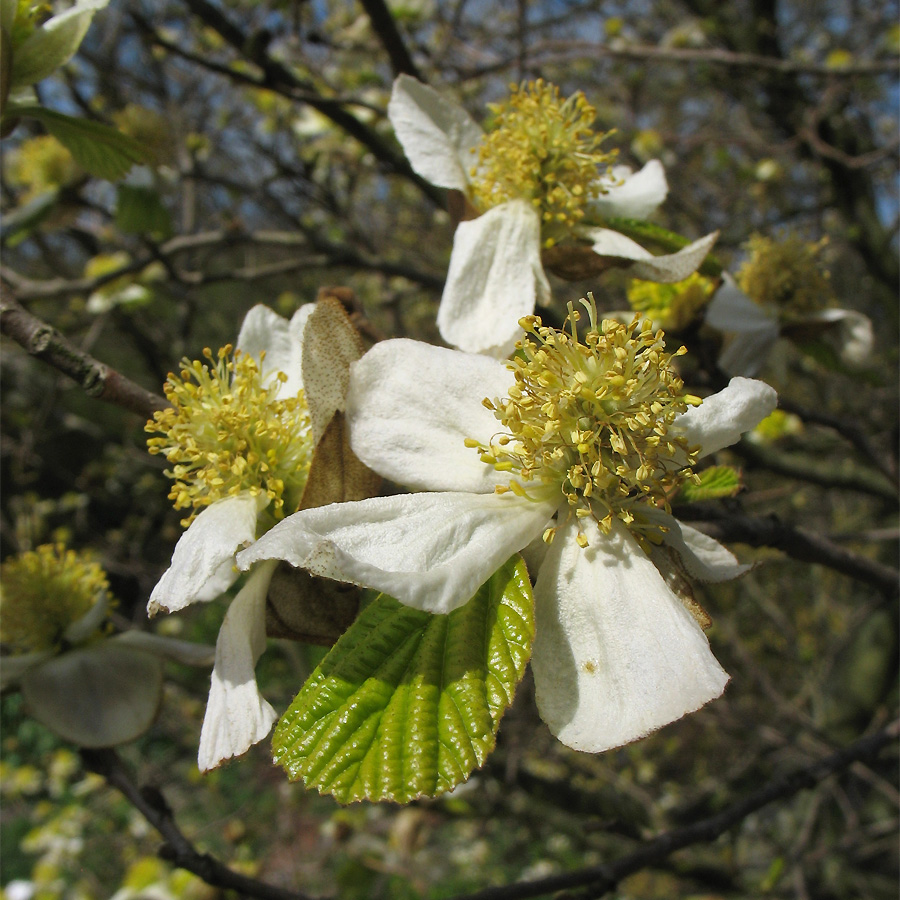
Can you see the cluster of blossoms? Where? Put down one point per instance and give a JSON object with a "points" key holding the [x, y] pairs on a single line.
{"points": [[595, 428], [568, 452]]}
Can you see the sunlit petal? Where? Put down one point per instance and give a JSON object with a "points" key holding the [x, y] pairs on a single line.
{"points": [[616, 654]]}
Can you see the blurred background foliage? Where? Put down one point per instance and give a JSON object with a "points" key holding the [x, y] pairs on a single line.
{"points": [[275, 173]]}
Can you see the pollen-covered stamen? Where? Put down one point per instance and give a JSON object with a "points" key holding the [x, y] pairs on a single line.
{"points": [[45, 591], [227, 432], [590, 416], [786, 274], [542, 149]]}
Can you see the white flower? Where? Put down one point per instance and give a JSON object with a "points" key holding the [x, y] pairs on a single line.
{"points": [[240, 442], [593, 433], [87, 686], [782, 290], [753, 330], [496, 273]]}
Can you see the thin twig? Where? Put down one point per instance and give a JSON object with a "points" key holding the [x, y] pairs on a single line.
{"points": [[769, 531], [570, 50], [97, 379], [177, 849]]}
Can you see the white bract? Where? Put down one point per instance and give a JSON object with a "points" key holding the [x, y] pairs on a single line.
{"points": [[86, 685], [239, 441], [537, 180], [573, 447]]}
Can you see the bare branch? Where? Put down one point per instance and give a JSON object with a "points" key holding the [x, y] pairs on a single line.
{"points": [[385, 27], [797, 543], [177, 849], [97, 379], [569, 50]]}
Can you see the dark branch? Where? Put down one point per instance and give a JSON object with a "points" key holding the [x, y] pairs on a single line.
{"points": [[177, 849], [280, 79], [797, 543], [97, 379], [385, 27]]}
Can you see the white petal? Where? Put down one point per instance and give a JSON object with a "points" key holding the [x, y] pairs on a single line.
{"points": [[721, 419], [411, 406], [53, 44], [96, 696], [753, 330], [666, 269], [853, 336], [237, 715], [745, 354], [731, 310], [495, 277], [437, 136], [203, 562], [263, 330], [704, 558], [429, 551], [616, 654], [632, 195]]}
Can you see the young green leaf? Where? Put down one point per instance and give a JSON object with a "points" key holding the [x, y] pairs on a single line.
{"points": [[716, 482], [407, 704], [97, 148]]}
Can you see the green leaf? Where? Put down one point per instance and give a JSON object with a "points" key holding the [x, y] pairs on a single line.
{"points": [[139, 210], [407, 704], [97, 148], [715, 482]]}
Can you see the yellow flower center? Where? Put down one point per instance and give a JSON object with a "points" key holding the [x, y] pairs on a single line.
{"points": [[227, 432], [44, 591], [589, 417], [542, 149], [671, 306], [786, 275]]}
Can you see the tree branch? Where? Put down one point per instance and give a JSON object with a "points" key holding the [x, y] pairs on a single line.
{"points": [[97, 379], [709, 55], [280, 79], [177, 849], [385, 27], [599, 880], [797, 543]]}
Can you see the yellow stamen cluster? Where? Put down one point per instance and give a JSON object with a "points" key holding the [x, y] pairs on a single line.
{"points": [[671, 306], [786, 274], [44, 591], [590, 416], [227, 433], [542, 149]]}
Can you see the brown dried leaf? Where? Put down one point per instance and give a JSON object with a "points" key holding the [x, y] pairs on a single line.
{"points": [[303, 607], [330, 345], [336, 475], [574, 262]]}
